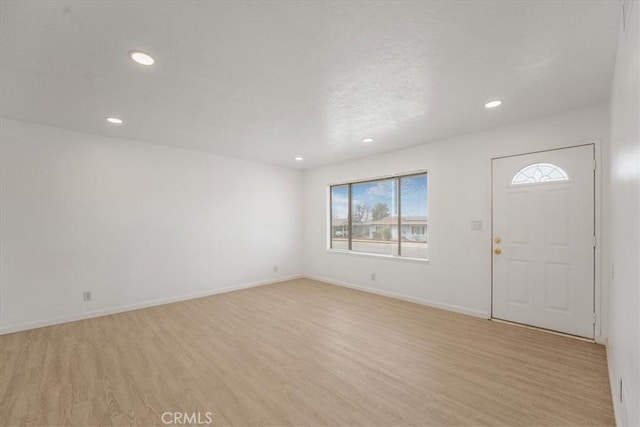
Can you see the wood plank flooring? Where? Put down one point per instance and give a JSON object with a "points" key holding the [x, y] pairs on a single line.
{"points": [[300, 353]]}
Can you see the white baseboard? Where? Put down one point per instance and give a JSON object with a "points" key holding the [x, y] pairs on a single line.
{"points": [[601, 339], [421, 301], [137, 306]]}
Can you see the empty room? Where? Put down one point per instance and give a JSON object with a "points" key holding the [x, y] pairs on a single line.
{"points": [[320, 213]]}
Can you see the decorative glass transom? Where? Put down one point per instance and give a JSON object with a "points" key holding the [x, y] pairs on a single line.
{"points": [[539, 172]]}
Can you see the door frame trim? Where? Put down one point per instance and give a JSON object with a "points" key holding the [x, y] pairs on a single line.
{"points": [[598, 333]]}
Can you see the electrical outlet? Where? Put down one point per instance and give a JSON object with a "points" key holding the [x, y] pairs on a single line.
{"points": [[275, 268], [87, 296], [476, 225], [373, 276]]}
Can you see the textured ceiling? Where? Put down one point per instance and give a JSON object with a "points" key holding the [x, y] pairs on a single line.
{"points": [[273, 80]]}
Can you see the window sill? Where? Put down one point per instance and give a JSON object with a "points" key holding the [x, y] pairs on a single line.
{"points": [[381, 256]]}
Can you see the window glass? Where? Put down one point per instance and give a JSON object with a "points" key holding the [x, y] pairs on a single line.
{"points": [[413, 204], [374, 217], [340, 217], [539, 172]]}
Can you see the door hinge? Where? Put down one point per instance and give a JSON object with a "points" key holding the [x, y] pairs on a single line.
{"points": [[594, 164], [595, 318], [595, 241]]}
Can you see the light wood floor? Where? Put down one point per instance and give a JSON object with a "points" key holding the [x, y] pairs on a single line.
{"points": [[300, 353]]}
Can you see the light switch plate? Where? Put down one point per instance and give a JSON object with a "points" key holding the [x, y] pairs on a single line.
{"points": [[476, 225]]}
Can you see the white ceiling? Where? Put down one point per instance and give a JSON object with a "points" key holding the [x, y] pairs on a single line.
{"points": [[272, 80]]}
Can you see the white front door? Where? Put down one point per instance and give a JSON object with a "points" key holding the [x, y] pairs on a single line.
{"points": [[543, 240]]}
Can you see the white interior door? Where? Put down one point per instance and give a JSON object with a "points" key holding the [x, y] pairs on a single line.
{"points": [[543, 240]]}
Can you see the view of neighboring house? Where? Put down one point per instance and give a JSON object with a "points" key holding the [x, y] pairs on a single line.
{"points": [[413, 228]]}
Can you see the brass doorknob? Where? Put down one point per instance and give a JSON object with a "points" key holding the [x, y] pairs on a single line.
{"points": [[498, 240], [497, 251]]}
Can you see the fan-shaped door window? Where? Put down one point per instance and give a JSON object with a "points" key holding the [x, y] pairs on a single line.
{"points": [[539, 172]]}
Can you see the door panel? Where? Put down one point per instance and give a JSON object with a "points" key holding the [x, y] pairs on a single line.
{"points": [[518, 281], [544, 229], [557, 218]]}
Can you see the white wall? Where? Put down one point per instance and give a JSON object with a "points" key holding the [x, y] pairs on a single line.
{"points": [[458, 275], [133, 222], [624, 318]]}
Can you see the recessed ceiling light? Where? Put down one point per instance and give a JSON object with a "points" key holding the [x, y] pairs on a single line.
{"points": [[299, 158], [114, 120], [368, 139], [140, 57], [493, 104]]}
